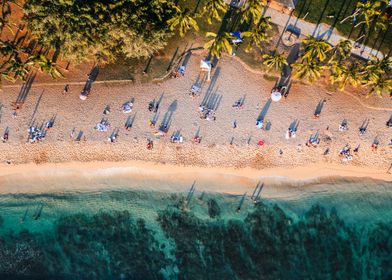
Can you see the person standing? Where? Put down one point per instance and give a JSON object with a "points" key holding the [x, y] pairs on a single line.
{"points": [[66, 89]]}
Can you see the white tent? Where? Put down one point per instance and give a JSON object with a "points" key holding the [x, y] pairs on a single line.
{"points": [[205, 65]]}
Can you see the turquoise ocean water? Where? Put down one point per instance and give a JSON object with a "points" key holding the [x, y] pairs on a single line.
{"points": [[134, 234]]}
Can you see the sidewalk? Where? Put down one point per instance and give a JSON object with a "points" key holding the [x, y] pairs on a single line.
{"points": [[322, 31]]}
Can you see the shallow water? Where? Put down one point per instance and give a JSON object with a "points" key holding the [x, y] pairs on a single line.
{"points": [[334, 230]]}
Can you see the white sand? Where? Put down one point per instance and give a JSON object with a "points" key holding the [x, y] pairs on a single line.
{"points": [[233, 82]]}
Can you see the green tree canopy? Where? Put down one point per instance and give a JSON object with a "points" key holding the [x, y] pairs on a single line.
{"points": [[183, 20], [98, 29]]}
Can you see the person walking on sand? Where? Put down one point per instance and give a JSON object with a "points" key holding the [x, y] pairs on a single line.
{"points": [[66, 89]]}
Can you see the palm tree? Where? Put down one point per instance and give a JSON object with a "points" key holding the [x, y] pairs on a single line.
{"points": [[311, 70], [7, 48], [258, 33], [212, 9], [219, 43], [341, 51], [45, 65], [375, 68], [381, 65], [6, 76], [275, 60], [18, 68], [345, 75], [251, 10], [371, 11], [184, 20], [315, 48], [380, 86]]}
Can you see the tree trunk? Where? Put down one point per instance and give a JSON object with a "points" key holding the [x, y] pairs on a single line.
{"points": [[383, 38], [375, 41], [321, 17], [338, 15], [196, 7]]}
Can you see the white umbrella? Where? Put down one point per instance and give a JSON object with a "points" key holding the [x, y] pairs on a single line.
{"points": [[83, 95], [276, 96]]}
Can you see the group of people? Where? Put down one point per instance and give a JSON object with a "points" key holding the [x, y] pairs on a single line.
{"points": [[195, 90], [36, 134], [313, 141], [127, 107], [346, 153], [176, 138], [102, 126], [290, 133], [343, 126], [153, 106], [206, 113]]}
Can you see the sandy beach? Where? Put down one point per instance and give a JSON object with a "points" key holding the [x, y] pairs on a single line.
{"points": [[222, 146], [93, 176]]}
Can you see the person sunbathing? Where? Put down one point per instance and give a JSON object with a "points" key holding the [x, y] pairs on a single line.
{"points": [[259, 124], [150, 145], [343, 127], [176, 139], [237, 104], [112, 139], [102, 126], [313, 142], [196, 139], [127, 107], [5, 137], [151, 123], [151, 106], [156, 107], [290, 133]]}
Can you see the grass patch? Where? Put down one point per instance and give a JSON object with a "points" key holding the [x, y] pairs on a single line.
{"points": [[335, 11], [133, 68]]}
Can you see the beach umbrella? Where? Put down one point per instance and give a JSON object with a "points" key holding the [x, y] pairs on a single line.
{"points": [[260, 143], [276, 96], [83, 95]]}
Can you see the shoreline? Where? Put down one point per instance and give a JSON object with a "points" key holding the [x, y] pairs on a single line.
{"points": [[75, 176]]}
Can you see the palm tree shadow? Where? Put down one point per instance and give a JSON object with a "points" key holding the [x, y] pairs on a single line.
{"points": [[92, 77], [24, 91], [79, 137], [319, 108], [264, 111], [167, 118]]}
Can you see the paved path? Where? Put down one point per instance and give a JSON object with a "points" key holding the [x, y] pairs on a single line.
{"points": [[323, 31]]}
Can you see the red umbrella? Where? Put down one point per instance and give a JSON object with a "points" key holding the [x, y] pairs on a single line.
{"points": [[260, 143]]}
